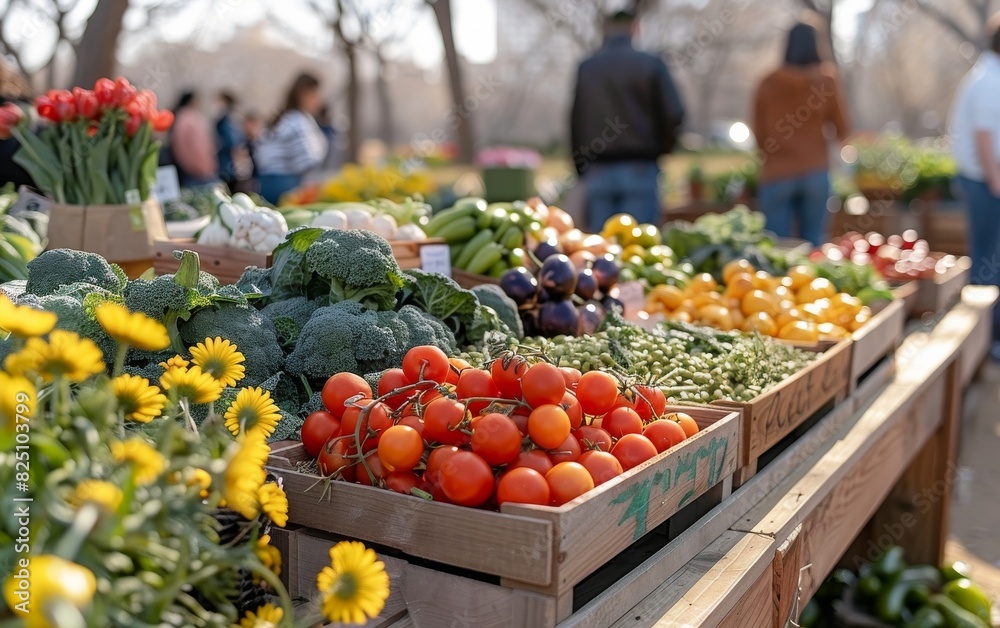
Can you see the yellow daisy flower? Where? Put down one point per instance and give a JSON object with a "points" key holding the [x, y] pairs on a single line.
{"points": [[176, 362], [65, 354], [253, 410], [202, 478], [19, 398], [274, 503], [245, 475], [137, 398], [134, 329], [23, 321], [354, 587], [147, 463], [192, 384], [100, 492], [269, 555], [267, 616], [52, 578], [220, 359]]}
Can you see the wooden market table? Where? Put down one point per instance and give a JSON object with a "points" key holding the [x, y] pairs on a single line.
{"points": [[869, 474]]}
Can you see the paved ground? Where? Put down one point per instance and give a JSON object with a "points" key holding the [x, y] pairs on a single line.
{"points": [[975, 511]]}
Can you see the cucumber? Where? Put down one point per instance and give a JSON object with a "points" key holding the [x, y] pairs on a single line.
{"points": [[485, 258], [444, 218], [497, 270], [472, 247], [513, 238], [954, 615], [890, 562], [517, 257], [457, 231], [927, 617]]}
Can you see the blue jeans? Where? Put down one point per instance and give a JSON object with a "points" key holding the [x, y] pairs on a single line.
{"points": [[272, 186], [984, 238], [628, 187], [801, 199]]}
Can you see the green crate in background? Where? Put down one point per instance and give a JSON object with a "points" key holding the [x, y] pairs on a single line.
{"points": [[508, 184]]}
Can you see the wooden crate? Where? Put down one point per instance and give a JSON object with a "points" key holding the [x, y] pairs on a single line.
{"points": [[407, 252], [946, 227], [225, 263], [468, 280], [876, 340], [907, 293], [543, 549], [934, 295], [773, 415]]}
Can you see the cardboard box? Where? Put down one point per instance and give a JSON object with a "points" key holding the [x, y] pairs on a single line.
{"points": [[119, 233]]}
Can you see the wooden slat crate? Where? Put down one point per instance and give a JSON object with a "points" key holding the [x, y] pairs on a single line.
{"points": [[407, 252], [875, 343], [935, 295], [547, 550], [907, 293], [226, 263], [773, 415], [468, 280]]}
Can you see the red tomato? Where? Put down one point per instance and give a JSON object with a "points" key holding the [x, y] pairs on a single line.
{"points": [[623, 402], [496, 438], [521, 421], [571, 375], [467, 479], [633, 450], [436, 460], [342, 387], [507, 371], [597, 392], [377, 421], [400, 448], [413, 421], [567, 481], [548, 426], [601, 465], [542, 384], [403, 481], [337, 455], [594, 437], [318, 428], [573, 409], [426, 363], [476, 383], [621, 421], [569, 451], [391, 380], [688, 424], [649, 402], [457, 366], [442, 419], [664, 434], [536, 459], [523, 486], [375, 466]]}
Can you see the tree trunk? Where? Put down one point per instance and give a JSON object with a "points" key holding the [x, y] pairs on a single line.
{"points": [[460, 116], [95, 52], [386, 118], [353, 103]]}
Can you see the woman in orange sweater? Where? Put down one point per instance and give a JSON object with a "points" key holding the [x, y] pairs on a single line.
{"points": [[794, 110]]}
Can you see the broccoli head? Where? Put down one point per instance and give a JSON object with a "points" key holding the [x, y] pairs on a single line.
{"points": [[357, 265], [493, 296], [74, 316], [289, 317], [252, 334], [424, 329], [59, 267], [334, 337], [255, 282]]}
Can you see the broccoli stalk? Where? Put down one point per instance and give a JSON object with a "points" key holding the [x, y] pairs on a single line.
{"points": [[171, 298]]}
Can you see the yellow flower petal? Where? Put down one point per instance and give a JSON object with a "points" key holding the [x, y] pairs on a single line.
{"points": [[220, 359], [24, 321], [139, 400], [134, 329], [253, 410]]}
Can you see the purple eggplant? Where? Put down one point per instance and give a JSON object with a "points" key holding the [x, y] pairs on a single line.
{"points": [[612, 304], [546, 249], [520, 285], [606, 272], [591, 317], [558, 276], [586, 284], [558, 318]]}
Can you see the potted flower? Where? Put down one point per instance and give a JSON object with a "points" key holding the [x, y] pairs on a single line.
{"points": [[95, 157], [508, 173]]}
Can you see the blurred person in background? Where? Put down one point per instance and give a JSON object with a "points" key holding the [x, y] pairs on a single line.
{"points": [[229, 139], [192, 144], [14, 88], [626, 115], [975, 139], [325, 121], [793, 110], [293, 144]]}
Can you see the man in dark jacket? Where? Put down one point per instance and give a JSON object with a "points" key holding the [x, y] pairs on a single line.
{"points": [[626, 114]]}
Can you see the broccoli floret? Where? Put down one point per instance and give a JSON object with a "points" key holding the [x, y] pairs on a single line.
{"points": [[59, 267], [255, 282], [357, 265], [287, 397], [207, 283], [493, 297], [425, 329], [314, 403], [252, 334], [73, 316], [289, 317]]}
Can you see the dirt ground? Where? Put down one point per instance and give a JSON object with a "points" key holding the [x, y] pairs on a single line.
{"points": [[975, 510]]}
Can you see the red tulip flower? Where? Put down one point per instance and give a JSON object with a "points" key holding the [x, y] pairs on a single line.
{"points": [[104, 89], [162, 120], [124, 92], [46, 108], [87, 104], [132, 125], [10, 116], [65, 106]]}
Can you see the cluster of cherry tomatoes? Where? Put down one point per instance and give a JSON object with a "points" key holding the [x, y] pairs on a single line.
{"points": [[516, 430]]}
